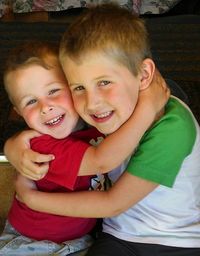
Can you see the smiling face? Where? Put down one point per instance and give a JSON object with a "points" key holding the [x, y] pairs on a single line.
{"points": [[42, 97], [104, 92]]}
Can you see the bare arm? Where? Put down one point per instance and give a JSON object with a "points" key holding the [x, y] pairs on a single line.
{"points": [[126, 192], [18, 152]]}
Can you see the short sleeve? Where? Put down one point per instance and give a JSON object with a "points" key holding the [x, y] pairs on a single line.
{"points": [[68, 152], [164, 147]]}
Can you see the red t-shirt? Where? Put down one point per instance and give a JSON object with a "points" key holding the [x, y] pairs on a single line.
{"points": [[61, 177]]}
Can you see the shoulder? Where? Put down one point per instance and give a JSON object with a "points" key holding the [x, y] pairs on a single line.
{"points": [[176, 126], [165, 145]]}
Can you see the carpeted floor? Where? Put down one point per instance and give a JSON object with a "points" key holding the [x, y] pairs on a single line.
{"points": [[175, 45]]}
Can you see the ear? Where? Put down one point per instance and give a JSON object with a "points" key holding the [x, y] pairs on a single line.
{"points": [[17, 110], [147, 72]]}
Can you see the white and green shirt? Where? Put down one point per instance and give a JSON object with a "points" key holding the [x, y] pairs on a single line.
{"points": [[169, 155]]}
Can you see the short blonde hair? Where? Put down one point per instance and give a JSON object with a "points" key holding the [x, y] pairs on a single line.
{"points": [[108, 29]]}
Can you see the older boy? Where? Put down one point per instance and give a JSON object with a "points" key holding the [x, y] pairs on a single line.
{"points": [[154, 207]]}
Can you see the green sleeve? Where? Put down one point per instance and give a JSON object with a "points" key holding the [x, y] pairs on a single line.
{"points": [[164, 147]]}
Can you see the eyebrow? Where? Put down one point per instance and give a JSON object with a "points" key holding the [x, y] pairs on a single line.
{"points": [[74, 84], [103, 77], [24, 98]]}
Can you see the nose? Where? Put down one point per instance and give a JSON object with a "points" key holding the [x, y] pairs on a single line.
{"points": [[93, 100], [45, 109]]}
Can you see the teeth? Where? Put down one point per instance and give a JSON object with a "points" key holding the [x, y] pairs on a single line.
{"points": [[54, 121], [103, 114]]}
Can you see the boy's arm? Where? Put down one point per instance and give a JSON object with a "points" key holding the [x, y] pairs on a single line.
{"points": [[95, 159], [126, 192], [18, 152], [118, 146]]}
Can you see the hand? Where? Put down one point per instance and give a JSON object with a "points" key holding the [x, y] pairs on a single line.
{"points": [[156, 95], [29, 163], [23, 187]]}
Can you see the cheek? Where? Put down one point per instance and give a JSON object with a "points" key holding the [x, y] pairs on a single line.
{"points": [[67, 102], [127, 105], [30, 117], [78, 104]]}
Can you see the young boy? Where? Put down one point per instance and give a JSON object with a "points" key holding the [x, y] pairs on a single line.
{"points": [[154, 207], [38, 90]]}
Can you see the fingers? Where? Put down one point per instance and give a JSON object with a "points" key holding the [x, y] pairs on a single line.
{"points": [[36, 157], [35, 165], [27, 162], [26, 136], [16, 145], [161, 81], [156, 95], [37, 172]]}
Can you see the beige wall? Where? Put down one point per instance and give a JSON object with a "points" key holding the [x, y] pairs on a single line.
{"points": [[7, 174]]}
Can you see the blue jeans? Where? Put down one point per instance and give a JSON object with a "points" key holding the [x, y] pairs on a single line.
{"points": [[13, 243]]}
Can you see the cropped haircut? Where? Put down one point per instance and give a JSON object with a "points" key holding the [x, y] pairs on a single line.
{"points": [[31, 53], [110, 30]]}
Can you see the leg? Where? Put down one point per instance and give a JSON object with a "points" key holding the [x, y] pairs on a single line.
{"points": [[177, 251], [76, 247], [13, 243], [162, 250], [108, 245], [81, 253]]}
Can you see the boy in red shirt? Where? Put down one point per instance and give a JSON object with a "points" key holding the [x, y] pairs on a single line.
{"points": [[41, 96]]}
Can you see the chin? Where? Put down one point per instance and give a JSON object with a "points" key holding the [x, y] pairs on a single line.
{"points": [[107, 130], [58, 135]]}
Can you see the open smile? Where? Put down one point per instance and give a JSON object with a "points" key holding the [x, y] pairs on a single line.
{"points": [[102, 117], [55, 120]]}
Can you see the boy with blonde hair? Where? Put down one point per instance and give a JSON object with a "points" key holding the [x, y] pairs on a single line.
{"points": [[38, 90], [153, 207]]}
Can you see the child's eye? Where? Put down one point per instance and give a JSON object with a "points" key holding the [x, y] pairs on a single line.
{"points": [[103, 83], [30, 102], [53, 91], [78, 88]]}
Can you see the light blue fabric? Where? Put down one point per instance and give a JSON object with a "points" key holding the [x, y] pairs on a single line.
{"points": [[13, 243]]}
